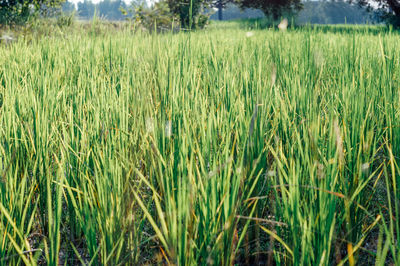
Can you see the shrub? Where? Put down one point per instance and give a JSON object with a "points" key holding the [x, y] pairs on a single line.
{"points": [[157, 17], [65, 20]]}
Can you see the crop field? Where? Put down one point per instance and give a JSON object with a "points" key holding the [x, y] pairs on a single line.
{"points": [[224, 146]]}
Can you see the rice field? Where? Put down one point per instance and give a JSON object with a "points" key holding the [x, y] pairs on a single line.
{"points": [[218, 147]]}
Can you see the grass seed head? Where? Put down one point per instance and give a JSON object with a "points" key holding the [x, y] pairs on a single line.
{"points": [[320, 170], [365, 167], [339, 142], [149, 125], [168, 128], [6, 39], [319, 59], [271, 173], [273, 75], [283, 25], [249, 34]]}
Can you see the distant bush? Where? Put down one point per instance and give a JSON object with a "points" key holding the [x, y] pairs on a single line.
{"points": [[158, 17], [201, 21], [65, 20], [189, 12]]}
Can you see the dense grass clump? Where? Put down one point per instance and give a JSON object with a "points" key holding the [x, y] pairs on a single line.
{"points": [[215, 147]]}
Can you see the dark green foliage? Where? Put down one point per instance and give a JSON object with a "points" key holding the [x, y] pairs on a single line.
{"points": [[18, 11], [391, 18], [201, 21], [272, 8], [389, 10], [188, 11], [13, 13], [65, 19], [157, 17]]}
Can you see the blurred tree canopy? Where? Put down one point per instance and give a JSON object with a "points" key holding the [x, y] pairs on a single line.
{"points": [[157, 17], [68, 7], [111, 9], [18, 11], [313, 12], [232, 11], [220, 5], [389, 10], [86, 9], [108, 9], [272, 8], [333, 12], [189, 11]]}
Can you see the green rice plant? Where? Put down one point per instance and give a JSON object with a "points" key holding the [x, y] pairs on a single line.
{"points": [[211, 147]]}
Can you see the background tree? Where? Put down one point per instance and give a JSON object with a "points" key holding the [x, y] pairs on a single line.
{"points": [[220, 5], [272, 8], [106, 9], [389, 10], [232, 11], [155, 17], [188, 11], [68, 7], [314, 12], [111, 10], [18, 11], [86, 9]]}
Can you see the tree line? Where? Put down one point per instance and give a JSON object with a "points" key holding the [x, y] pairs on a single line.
{"points": [[190, 13], [107, 9], [314, 12]]}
